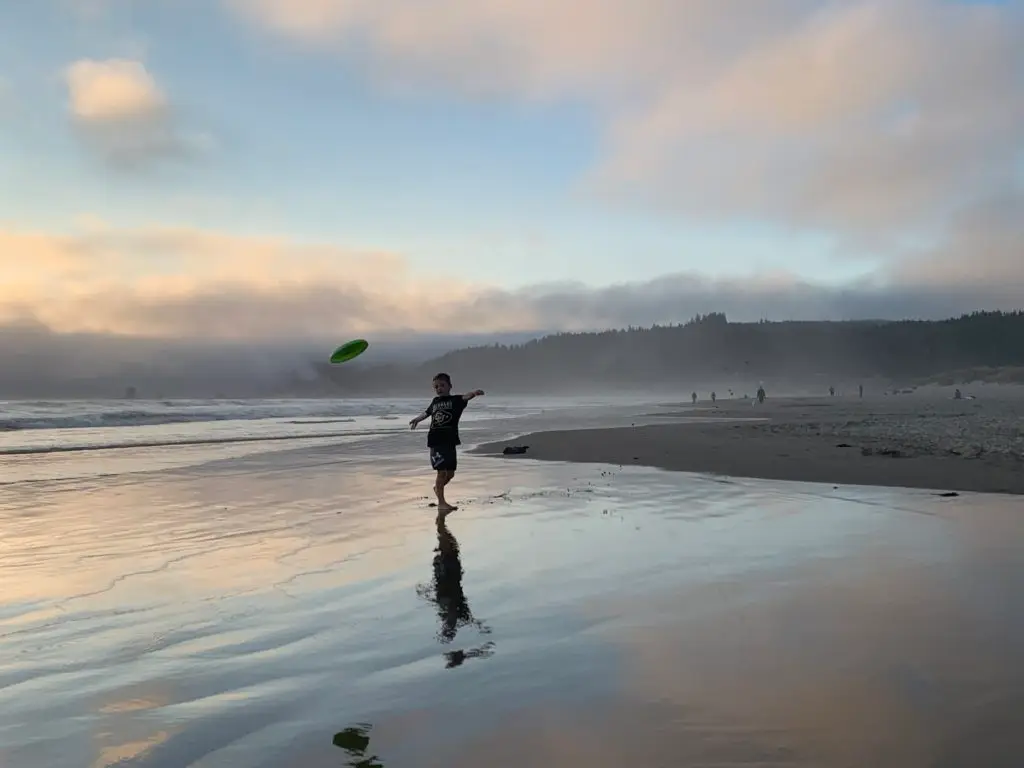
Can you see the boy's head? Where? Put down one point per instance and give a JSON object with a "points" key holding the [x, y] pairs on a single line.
{"points": [[443, 384]]}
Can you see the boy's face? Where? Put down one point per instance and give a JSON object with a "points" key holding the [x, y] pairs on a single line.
{"points": [[442, 387]]}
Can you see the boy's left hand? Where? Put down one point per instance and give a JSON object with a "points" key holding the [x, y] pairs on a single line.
{"points": [[477, 392]]}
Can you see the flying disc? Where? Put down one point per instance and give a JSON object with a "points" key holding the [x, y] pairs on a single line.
{"points": [[349, 350]]}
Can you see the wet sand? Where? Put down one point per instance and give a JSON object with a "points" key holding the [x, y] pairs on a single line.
{"points": [[302, 608], [916, 441]]}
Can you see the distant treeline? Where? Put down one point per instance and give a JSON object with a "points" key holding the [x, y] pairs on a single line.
{"points": [[709, 350]]}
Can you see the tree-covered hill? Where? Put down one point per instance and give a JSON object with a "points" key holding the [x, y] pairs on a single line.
{"points": [[710, 349]]}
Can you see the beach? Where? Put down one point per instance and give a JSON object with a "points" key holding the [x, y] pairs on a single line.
{"points": [[921, 440], [294, 602]]}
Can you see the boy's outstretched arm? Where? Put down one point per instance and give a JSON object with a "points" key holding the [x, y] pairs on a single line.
{"points": [[470, 395]]}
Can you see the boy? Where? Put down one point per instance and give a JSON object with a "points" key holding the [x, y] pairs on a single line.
{"points": [[444, 413]]}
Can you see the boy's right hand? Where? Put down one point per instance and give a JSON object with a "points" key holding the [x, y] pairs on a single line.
{"points": [[413, 424]]}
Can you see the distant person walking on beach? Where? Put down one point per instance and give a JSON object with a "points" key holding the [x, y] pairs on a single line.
{"points": [[831, 391], [760, 393], [444, 413], [860, 390], [693, 397], [714, 397]]}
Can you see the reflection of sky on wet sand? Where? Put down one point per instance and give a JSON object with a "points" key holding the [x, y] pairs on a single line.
{"points": [[243, 613], [814, 669]]}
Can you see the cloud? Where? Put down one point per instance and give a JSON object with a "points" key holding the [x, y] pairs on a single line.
{"points": [[875, 119], [984, 247], [112, 90], [188, 283], [123, 114], [165, 281], [856, 120], [603, 49]]}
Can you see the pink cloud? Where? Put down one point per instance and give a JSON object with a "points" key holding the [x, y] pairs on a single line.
{"points": [[115, 89], [872, 117], [188, 283], [122, 113]]}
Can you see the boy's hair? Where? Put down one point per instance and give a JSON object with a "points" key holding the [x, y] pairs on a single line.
{"points": [[444, 377]]}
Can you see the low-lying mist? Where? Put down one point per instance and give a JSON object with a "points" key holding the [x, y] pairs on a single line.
{"points": [[707, 354]]}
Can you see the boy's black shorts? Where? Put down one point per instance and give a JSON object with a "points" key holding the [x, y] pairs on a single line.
{"points": [[444, 458]]}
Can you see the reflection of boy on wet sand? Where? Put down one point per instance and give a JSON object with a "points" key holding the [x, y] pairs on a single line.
{"points": [[452, 606], [446, 593]]}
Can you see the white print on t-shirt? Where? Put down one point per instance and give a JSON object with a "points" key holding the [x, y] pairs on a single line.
{"points": [[443, 413]]}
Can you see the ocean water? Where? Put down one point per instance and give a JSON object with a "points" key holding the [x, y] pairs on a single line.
{"points": [[107, 437], [270, 588], [47, 426]]}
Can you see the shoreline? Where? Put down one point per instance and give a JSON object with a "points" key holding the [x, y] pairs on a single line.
{"points": [[925, 443]]}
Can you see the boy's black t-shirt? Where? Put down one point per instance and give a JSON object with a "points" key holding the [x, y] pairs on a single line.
{"points": [[445, 413]]}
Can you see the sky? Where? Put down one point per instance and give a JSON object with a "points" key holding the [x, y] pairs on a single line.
{"points": [[279, 168]]}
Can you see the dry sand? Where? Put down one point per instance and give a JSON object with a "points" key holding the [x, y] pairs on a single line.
{"points": [[924, 440]]}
